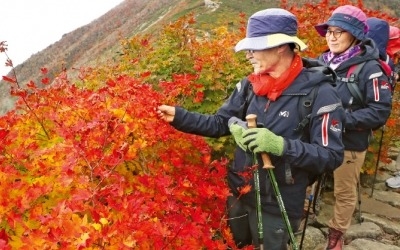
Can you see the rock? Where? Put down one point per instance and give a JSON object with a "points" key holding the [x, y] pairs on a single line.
{"points": [[364, 244], [380, 216]]}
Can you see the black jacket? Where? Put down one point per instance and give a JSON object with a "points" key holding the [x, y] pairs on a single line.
{"points": [[361, 118], [323, 151]]}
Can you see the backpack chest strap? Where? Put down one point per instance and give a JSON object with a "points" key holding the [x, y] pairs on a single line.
{"points": [[352, 82]]}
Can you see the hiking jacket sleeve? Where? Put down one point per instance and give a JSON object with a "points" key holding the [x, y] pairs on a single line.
{"points": [[215, 125]]}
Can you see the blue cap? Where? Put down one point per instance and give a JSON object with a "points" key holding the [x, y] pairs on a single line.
{"points": [[270, 28]]}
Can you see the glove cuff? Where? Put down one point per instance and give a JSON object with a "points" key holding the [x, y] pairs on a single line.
{"points": [[284, 146]]}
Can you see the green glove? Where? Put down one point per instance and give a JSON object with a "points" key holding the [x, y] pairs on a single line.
{"points": [[263, 140], [237, 127]]}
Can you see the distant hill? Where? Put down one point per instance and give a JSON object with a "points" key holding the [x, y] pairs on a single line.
{"points": [[99, 41]]}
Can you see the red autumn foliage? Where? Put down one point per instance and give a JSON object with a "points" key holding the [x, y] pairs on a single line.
{"points": [[107, 173]]}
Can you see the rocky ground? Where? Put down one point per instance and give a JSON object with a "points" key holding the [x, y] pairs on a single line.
{"points": [[376, 224]]}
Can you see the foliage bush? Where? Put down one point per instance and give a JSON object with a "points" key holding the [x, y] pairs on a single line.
{"points": [[96, 169]]}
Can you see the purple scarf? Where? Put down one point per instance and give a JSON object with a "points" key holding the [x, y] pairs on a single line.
{"points": [[334, 60]]}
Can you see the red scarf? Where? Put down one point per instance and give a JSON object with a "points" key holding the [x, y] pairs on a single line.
{"points": [[272, 88]]}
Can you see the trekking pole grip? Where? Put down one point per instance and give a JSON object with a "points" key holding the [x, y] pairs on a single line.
{"points": [[252, 123]]}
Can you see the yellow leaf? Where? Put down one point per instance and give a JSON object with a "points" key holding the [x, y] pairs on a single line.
{"points": [[132, 152], [104, 221], [78, 222], [96, 226], [129, 242], [32, 224], [82, 241], [84, 220]]}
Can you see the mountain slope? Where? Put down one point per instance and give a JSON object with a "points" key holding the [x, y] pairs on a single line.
{"points": [[89, 44]]}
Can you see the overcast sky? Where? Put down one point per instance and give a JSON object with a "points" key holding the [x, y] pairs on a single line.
{"points": [[29, 26]]}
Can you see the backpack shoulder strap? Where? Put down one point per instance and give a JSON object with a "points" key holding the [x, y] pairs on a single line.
{"points": [[248, 93], [389, 72], [352, 82], [305, 108], [352, 79], [305, 105]]}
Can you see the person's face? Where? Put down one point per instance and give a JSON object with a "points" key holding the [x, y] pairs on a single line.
{"points": [[263, 61], [338, 40]]}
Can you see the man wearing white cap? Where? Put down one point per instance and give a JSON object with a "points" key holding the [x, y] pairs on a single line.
{"points": [[280, 80]]}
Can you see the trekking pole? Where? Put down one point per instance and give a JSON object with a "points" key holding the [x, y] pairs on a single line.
{"points": [[360, 219], [252, 123], [318, 192], [310, 201], [377, 161]]}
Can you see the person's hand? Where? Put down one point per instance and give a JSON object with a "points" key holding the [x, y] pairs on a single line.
{"points": [[237, 127], [165, 112], [263, 140]]}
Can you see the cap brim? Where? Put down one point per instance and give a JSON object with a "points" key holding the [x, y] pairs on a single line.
{"points": [[269, 41], [322, 28]]}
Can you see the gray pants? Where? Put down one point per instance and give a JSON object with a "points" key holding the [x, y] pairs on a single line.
{"points": [[244, 226]]}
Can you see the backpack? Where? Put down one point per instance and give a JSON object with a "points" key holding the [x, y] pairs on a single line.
{"points": [[379, 31], [352, 79]]}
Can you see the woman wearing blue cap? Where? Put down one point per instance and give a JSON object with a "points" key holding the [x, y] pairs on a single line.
{"points": [[345, 36], [280, 80]]}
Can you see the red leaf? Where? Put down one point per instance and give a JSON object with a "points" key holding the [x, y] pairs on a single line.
{"points": [[44, 71], [31, 84], [111, 83], [9, 79], [9, 63], [3, 133], [3, 46], [45, 80], [18, 92], [3, 236], [145, 74], [145, 42]]}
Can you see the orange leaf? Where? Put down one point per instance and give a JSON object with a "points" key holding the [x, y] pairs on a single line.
{"points": [[245, 189]]}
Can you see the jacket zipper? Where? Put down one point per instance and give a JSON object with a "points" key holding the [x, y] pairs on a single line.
{"points": [[267, 106]]}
